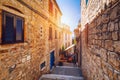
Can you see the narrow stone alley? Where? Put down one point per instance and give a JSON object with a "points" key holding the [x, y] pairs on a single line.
{"points": [[41, 39], [68, 71]]}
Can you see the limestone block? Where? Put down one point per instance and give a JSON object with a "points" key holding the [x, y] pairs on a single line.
{"points": [[104, 36], [116, 26], [113, 14], [115, 35], [109, 36], [118, 77], [99, 43], [113, 60], [104, 29], [100, 76], [23, 60], [106, 77], [111, 26], [99, 36], [116, 45], [103, 43], [28, 57], [104, 67], [99, 20], [115, 76], [105, 18], [110, 73], [98, 61], [103, 54], [109, 45], [96, 37], [93, 24]]}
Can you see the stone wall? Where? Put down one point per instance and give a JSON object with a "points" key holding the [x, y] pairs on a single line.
{"points": [[92, 9], [101, 45]]}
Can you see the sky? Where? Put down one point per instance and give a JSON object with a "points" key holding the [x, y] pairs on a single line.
{"points": [[71, 12]]}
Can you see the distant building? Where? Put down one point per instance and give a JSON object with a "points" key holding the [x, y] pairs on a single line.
{"points": [[66, 36]]}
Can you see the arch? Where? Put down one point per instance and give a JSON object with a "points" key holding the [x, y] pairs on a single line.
{"points": [[13, 8]]}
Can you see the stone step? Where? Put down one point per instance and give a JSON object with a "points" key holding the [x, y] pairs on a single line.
{"points": [[67, 70], [59, 77], [67, 67]]}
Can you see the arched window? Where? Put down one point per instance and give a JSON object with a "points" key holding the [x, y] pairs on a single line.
{"points": [[86, 2]]}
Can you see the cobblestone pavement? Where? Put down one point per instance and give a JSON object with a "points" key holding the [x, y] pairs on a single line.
{"points": [[68, 71]]}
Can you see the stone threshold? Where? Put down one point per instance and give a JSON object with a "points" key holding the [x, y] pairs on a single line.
{"points": [[59, 77], [67, 67]]}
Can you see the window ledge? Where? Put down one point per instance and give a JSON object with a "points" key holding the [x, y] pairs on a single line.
{"points": [[8, 45]]}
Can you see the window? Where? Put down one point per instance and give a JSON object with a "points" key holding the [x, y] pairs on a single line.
{"points": [[50, 33], [50, 6], [55, 34], [86, 2], [42, 65], [12, 28]]}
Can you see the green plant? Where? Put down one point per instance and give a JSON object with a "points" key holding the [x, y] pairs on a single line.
{"points": [[63, 48]]}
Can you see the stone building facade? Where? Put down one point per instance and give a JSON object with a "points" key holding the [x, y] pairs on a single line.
{"points": [[66, 36], [100, 26], [29, 31], [54, 32]]}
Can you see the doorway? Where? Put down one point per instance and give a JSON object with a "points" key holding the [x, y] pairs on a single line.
{"points": [[52, 59]]}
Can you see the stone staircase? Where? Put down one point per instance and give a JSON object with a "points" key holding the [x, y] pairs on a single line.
{"points": [[66, 72]]}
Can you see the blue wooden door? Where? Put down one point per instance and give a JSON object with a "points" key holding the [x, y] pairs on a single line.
{"points": [[52, 59]]}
